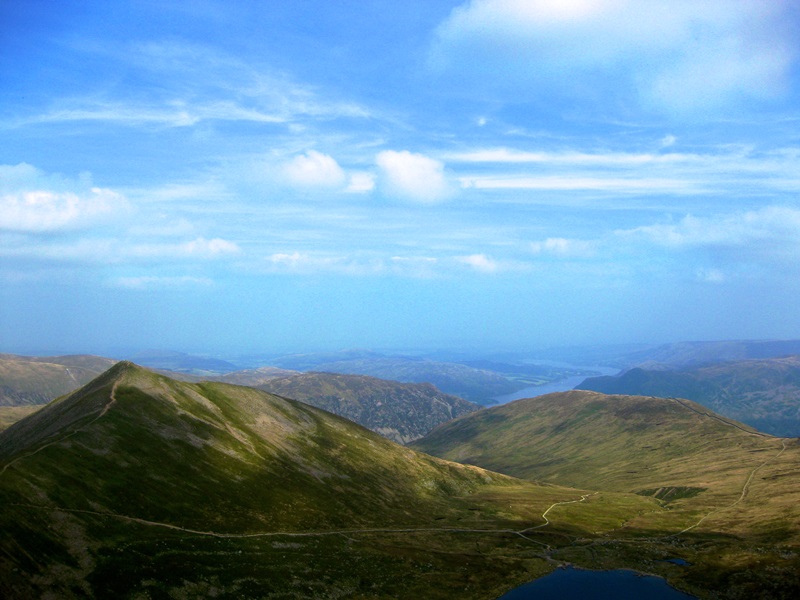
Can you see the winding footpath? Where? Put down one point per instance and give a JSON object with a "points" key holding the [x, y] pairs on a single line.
{"points": [[217, 534], [745, 489]]}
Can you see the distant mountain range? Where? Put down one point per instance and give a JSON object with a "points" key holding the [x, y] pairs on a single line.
{"points": [[675, 354], [28, 380], [400, 411], [403, 412], [180, 362], [476, 380], [763, 393]]}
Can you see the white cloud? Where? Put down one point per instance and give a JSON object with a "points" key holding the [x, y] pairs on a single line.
{"points": [[314, 170], [564, 247], [480, 262], [606, 159], [413, 176], [33, 201], [680, 55], [604, 184]]}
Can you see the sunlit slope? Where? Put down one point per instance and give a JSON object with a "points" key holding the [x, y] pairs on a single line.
{"points": [[674, 450], [138, 480]]}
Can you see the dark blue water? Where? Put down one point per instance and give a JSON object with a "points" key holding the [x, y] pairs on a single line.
{"points": [[578, 584]]}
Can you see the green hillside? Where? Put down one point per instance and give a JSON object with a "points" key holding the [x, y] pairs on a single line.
{"points": [[139, 485], [721, 481], [762, 393], [590, 440], [403, 412]]}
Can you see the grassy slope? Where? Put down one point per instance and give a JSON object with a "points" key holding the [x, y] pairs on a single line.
{"points": [[732, 495], [142, 484], [400, 411]]}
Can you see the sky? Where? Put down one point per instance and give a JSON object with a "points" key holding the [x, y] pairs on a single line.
{"points": [[268, 176]]}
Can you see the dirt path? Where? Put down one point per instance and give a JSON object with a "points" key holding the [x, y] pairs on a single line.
{"points": [[217, 534], [552, 506], [520, 532], [745, 489], [112, 400]]}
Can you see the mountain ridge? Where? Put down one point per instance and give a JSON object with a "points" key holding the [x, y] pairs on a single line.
{"points": [[402, 412], [764, 393]]}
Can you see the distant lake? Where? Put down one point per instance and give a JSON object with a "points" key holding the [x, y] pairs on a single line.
{"points": [[579, 584], [560, 385]]}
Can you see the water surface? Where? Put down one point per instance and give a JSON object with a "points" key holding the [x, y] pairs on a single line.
{"points": [[578, 584]]}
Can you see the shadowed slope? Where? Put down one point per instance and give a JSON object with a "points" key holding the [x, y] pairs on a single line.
{"points": [[402, 412]]}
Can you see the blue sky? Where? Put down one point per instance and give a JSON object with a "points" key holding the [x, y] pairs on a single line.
{"points": [[277, 176]]}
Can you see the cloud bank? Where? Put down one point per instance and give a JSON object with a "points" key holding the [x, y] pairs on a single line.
{"points": [[680, 56]]}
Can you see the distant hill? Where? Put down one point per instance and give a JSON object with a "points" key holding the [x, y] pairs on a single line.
{"points": [[11, 414], [28, 380], [403, 412], [473, 384], [596, 441], [689, 354], [252, 377], [180, 362], [762, 393]]}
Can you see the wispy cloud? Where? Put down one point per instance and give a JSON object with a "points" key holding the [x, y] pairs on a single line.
{"points": [[197, 84], [770, 225], [567, 183], [148, 282]]}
